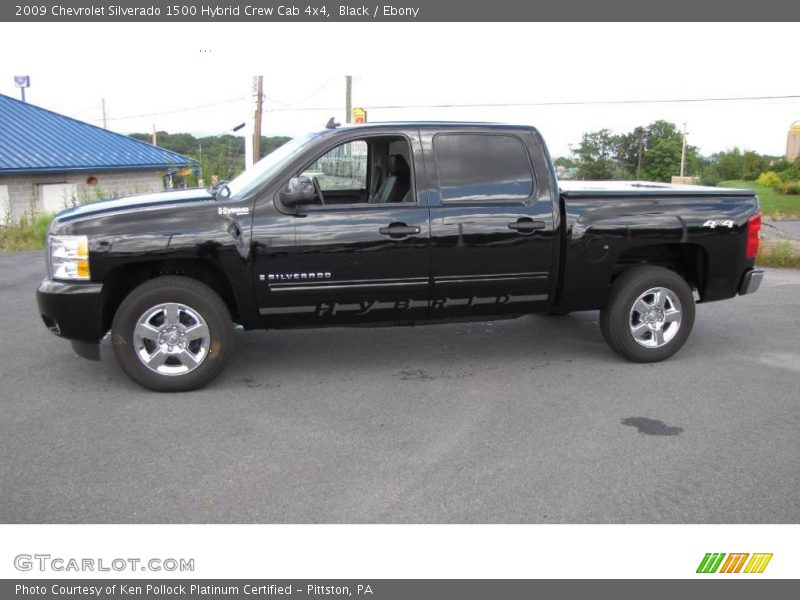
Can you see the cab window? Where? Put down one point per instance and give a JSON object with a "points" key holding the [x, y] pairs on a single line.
{"points": [[370, 171], [343, 168]]}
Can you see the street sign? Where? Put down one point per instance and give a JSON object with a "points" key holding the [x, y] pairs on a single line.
{"points": [[359, 115]]}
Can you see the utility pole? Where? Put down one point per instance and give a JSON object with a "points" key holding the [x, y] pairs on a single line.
{"points": [[155, 137], [257, 121], [683, 150], [641, 133], [348, 99], [105, 119]]}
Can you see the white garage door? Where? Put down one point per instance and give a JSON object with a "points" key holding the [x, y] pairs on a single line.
{"points": [[57, 196], [5, 204]]}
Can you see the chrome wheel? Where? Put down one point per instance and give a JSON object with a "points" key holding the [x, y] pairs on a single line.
{"points": [[171, 339], [655, 317]]}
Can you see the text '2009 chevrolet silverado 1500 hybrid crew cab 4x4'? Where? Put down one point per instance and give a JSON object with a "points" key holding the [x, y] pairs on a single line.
{"points": [[389, 224]]}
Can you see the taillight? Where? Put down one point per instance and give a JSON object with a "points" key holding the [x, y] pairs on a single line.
{"points": [[753, 229]]}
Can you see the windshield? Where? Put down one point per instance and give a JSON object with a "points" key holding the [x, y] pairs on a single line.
{"points": [[267, 166]]}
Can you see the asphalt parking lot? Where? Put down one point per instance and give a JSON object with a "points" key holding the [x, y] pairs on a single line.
{"points": [[532, 420]]}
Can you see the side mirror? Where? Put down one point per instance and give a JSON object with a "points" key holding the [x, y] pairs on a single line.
{"points": [[299, 191]]}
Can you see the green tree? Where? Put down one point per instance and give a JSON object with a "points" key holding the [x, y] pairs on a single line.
{"points": [[269, 144], [662, 153], [727, 164], [663, 160], [753, 164], [220, 155], [595, 155], [630, 151], [652, 152], [564, 161], [779, 164]]}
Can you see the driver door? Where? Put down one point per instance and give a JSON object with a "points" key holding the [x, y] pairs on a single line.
{"points": [[353, 261]]}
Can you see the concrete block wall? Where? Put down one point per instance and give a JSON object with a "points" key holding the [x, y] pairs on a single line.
{"points": [[23, 190]]}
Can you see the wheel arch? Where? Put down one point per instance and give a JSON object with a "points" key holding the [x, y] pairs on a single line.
{"points": [[124, 279], [690, 261]]}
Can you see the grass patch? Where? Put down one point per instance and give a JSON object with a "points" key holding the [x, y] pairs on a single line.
{"points": [[779, 253], [28, 233], [775, 205]]}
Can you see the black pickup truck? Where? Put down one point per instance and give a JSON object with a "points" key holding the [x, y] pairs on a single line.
{"points": [[390, 224]]}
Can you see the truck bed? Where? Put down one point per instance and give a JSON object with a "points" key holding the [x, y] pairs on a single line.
{"points": [[583, 189], [613, 223]]}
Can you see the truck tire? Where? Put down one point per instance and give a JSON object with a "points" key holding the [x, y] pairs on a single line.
{"points": [[649, 314], [172, 334]]}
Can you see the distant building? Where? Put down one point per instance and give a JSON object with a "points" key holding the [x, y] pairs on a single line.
{"points": [[793, 141], [566, 172], [49, 161]]}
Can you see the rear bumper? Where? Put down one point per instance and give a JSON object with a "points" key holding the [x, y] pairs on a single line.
{"points": [[72, 310], [751, 281]]}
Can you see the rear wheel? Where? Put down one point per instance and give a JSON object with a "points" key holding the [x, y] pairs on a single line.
{"points": [[649, 314], [172, 334]]}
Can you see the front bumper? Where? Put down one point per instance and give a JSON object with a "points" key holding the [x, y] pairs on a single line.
{"points": [[72, 310], [751, 281]]}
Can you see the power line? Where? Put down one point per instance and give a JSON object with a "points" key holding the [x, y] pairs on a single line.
{"points": [[306, 99], [288, 108], [76, 114], [556, 103], [177, 110]]}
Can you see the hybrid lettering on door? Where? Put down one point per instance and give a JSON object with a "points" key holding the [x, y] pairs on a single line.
{"points": [[363, 307]]}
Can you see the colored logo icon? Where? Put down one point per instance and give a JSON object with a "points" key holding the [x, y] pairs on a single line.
{"points": [[734, 563]]}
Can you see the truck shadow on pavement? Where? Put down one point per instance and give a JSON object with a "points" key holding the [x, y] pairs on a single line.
{"points": [[423, 354], [415, 352], [420, 354]]}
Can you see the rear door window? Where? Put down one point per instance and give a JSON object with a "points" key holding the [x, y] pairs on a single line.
{"points": [[482, 167]]}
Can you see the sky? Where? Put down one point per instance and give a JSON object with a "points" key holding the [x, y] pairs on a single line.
{"points": [[197, 78]]}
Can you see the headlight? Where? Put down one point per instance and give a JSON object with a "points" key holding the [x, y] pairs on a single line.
{"points": [[69, 256]]}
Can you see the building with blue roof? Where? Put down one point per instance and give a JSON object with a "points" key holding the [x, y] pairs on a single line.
{"points": [[49, 161]]}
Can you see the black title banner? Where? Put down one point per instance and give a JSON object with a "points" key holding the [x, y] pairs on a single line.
{"points": [[402, 10], [393, 589]]}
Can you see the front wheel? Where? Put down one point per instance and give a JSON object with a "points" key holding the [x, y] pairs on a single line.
{"points": [[172, 334], [649, 314]]}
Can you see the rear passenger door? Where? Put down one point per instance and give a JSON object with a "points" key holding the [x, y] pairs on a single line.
{"points": [[492, 228]]}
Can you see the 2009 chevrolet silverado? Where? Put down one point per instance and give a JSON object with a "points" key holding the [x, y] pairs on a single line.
{"points": [[393, 223]]}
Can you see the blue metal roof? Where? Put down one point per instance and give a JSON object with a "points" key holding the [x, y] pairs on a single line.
{"points": [[36, 140]]}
